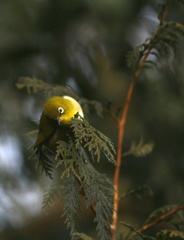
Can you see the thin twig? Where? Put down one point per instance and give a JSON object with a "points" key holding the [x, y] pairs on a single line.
{"points": [[112, 115], [157, 220]]}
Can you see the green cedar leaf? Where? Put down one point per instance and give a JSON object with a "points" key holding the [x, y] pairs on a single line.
{"points": [[65, 150], [137, 235], [164, 43], [67, 155], [150, 63], [139, 149], [71, 200], [50, 195], [133, 57], [78, 174], [159, 212], [91, 106], [98, 108], [92, 140], [34, 85], [99, 193], [33, 133], [44, 159], [167, 38], [96, 186], [81, 236], [170, 235], [138, 192]]}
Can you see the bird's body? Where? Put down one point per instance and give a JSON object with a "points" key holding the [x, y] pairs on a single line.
{"points": [[55, 121]]}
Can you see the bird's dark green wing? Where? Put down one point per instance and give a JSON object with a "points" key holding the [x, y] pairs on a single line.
{"points": [[47, 127]]}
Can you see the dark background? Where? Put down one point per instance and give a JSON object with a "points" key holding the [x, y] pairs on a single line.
{"points": [[84, 44]]}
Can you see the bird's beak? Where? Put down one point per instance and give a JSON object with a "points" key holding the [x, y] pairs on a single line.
{"points": [[58, 120]]}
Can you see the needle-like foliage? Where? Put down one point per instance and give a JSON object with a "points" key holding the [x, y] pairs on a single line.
{"points": [[170, 235], [34, 85], [50, 195], [44, 160], [74, 159], [92, 140], [71, 200], [98, 193], [163, 44], [97, 188], [139, 149], [85, 144]]}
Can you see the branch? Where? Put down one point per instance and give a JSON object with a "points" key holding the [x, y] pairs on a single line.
{"points": [[122, 120], [121, 125], [164, 12], [157, 220]]}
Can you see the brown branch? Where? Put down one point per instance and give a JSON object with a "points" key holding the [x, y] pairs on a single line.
{"points": [[121, 125], [157, 220], [121, 122], [164, 12], [112, 115]]}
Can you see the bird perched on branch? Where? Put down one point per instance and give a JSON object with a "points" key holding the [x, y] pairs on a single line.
{"points": [[55, 119]]}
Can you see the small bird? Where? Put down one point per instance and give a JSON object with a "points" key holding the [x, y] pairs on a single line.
{"points": [[55, 121]]}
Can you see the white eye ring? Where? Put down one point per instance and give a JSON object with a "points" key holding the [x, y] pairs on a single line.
{"points": [[60, 110]]}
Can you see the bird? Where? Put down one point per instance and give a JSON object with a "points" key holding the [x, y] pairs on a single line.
{"points": [[54, 124]]}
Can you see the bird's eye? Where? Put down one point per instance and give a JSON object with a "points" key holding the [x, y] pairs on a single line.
{"points": [[60, 110]]}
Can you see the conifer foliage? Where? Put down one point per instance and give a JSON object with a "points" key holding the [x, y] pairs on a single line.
{"points": [[75, 159], [79, 175]]}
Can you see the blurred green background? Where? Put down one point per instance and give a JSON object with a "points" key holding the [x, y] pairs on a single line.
{"points": [[84, 44]]}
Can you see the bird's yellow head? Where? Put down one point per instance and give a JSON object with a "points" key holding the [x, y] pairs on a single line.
{"points": [[62, 109]]}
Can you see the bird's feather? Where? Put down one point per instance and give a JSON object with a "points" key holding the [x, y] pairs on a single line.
{"points": [[47, 127]]}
